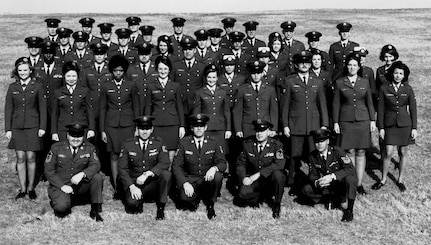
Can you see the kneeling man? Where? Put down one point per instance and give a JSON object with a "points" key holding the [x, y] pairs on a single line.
{"points": [[143, 169], [72, 170]]}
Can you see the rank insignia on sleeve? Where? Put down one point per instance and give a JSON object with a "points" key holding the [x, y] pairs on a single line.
{"points": [[221, 150], [49, 157], [279, 154], [176, 153], [346, 159]]}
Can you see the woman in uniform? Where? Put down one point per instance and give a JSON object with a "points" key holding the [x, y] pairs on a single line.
{"points": [[388, 55], [275, 41], [164, 48], [397, 118], [354, 115], [119, 106], [71, 104], [214, 102], [25, 123], [165, 104]]}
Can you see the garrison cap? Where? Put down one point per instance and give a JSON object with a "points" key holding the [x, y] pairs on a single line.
{"points": [[80, 36], [52, 22], [229, 59], [133, 20], [164, 38], [87, 22], [288, 26], [261, 125], [70, 66], [76, 129], [64, 32], [236, 36], [210, 68], [22, 60], [275, 36], [116, 61], [201, 35], [99, 48], [215, 32], [256, 66], [147, 30], [144, 48], [33, 41], [302, 57], [320, 135], [344, 27], [105, 27], [48, 47], [250, 25], [198, 119], [361, 51], [313, 36], [123, 32], [188, 43], [144, 122], [263, 52], [178, 21], [228, 22]]}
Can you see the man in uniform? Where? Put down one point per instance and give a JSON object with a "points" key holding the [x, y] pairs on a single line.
{"points": [[124, 48], [188, 72], [203, 55], [143, 169], [303, 109], [254, 100], [106, 34], [81, 53], [198, 166], [135, 36], [64, 46], [290, 46], [260, 169], [178, 37], [332, 177], [52, 25], [228, 24], [270, 71], [33, 45], [339, 51], [236, 49], [251, 43], [72, 170], [87, 27], [313, 43], [215, 45]]}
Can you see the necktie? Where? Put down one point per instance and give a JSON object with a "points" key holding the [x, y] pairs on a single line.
{"points": [[63, 51], [144, 147], [162, 84], [189, 64], [133, 39], [118, 85], [178, 39], [99, 68], [396, 88], [201, 52], [75, 149], [323, 157], [256, 88], [353, 83], [237, 55], [71, 90], [199, 146], [260, 148], [23, 86], [288, 44], [229, 78], [344, 45], [305, 80], [145, 69], [48, 69], [34, 62]]}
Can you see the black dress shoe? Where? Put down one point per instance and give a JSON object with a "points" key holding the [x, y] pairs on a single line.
{"points": [[276, 210], [361, 190], [401, 186], [95, 215], [20, 195], [377, 185], [32, 194], [347, 216], [160, 214], [211, 212]]}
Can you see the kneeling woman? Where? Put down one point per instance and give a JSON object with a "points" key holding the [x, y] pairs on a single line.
{"points": [[397, 119]]}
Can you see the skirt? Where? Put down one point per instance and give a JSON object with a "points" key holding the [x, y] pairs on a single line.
{"points": [[169, 134], [355, 135], [399, 136], [116, 137], [25, 140]]}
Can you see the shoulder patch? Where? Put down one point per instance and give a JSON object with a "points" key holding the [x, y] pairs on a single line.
{"points": [[279, 154], [49, 157], [346, 159]]}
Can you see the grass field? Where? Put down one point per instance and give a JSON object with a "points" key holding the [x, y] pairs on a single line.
{"points": [[381, 217]]}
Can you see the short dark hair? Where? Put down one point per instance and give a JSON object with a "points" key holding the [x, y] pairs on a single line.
{"points": [[163, 60], [18, 62], [398, 65], [388, 49]]}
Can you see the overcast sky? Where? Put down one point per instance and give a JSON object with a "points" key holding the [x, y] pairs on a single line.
{"points": [[192, 6]]}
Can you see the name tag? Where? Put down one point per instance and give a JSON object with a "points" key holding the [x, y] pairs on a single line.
{"points": [[152, 153], [85, 155], [155, 91], [296, 86], [181, 70], [91, 75], [111, 91], [16, 92], [337, 51], [62, 97], [404, 95], [189, 152], [314, 86], [362, 88], [209, 152], [390, 95], [61, 155], [132, 154], [247, 94], [135, 75], [269, 154]]}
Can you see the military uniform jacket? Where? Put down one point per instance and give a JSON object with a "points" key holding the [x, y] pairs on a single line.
{"points": [[337, 162], [61, 166], [176, 45], [93, 80], [252, 49], [68, 108], [138, 75], [396, 108], [380, 78], [189, 165], [250, 161], [225, 42], [36, 63], [297, 47], [368, 74], [352, 103], [62, 54], [240, 62], [209, 57], [216, 106], [271, 75], [131, 54], [50, 82], [328, 85], [135, 40], [112, 48], [326, 61], [165, 104], [118, 106], [189, 79], [25, 109], [303, 105], [93, 39], [250, 106], [338, 56], [134, 161], [280, 61], [85, 61], [231, 87]]}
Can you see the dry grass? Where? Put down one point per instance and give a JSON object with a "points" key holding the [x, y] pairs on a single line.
{"points": [[382, 217]]}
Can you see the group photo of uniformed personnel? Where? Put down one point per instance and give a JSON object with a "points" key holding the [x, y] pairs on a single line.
{"points": [[176, 119]]}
